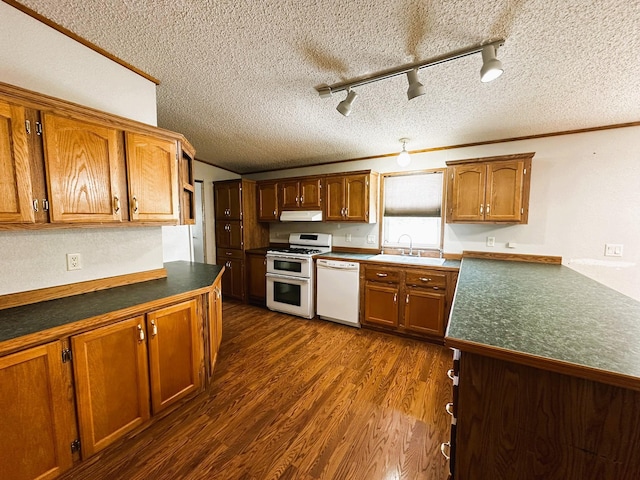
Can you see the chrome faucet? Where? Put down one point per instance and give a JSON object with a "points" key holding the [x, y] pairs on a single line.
{"points": [[410, 243]]}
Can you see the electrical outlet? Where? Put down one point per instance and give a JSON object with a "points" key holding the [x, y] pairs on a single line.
{"points": [[74, 261], [371, 239], [613, 250], [347, 237], [491, 241]]}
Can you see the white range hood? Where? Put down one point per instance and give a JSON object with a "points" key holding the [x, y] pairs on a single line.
{"points": [[301, 216]]}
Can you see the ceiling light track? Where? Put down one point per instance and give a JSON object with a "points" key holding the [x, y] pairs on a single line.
{"points": [[491, 69]]}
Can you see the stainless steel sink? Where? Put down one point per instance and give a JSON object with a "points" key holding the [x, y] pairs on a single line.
{"points": [[408, 260]]}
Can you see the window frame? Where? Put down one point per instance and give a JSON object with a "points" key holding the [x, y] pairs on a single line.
{"points": [[399, 247]]}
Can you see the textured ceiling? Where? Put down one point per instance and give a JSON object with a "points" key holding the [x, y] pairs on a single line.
{"points": [[238, 76]]}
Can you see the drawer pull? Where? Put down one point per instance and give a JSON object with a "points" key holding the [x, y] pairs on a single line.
{"points": [[450, 374], [445, 446], [449, 408], [140, 333], [229, 253], [154, 328], [382, 275], [425, 279]]}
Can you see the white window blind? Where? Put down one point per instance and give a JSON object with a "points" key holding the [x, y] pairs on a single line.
{"points": [[417, 195]]}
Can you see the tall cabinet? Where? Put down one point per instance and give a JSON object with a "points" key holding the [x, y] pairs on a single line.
{"points": [[237, 230]]}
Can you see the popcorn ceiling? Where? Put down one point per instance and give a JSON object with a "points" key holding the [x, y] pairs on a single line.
{"points": [[237, 76]]}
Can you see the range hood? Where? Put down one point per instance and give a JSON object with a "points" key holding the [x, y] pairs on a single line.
{"points": [[301, 216]]}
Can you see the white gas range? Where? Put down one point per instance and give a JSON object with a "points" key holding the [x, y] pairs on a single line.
{"points": [[291, 273]]}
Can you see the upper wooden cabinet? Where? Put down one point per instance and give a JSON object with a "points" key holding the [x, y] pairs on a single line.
{"points": [[63, 164], [351, 197], [489, 190], [268, 207], [228, 200], [85, 170], [153, 178], [301, 194], [15, 174]]}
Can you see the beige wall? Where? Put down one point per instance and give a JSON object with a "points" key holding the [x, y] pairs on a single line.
{"points": [[585, 192], [38, 58]]}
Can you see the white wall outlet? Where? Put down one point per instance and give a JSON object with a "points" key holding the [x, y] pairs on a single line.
{"points": [[347, 237], [491, 241], [74, 261], [613, 250], [371, 239]]}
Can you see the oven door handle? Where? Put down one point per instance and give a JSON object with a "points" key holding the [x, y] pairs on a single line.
{"points": [[300, 280]]}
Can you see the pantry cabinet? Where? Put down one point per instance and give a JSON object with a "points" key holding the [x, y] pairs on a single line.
{"points": [[410, 300], [37, 427], [64, 164], [489, 190], [351, 197]]}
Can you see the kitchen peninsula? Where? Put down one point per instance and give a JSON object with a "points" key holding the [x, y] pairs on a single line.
{"points": [[549, 374]]}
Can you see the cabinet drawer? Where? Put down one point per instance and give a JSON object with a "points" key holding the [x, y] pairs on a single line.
{"points": [[426, 279], [227, 254], [381, 274]]}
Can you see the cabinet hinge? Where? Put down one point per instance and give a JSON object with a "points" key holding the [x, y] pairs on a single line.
{"points": [[67, 356], [38, 128], [75, 446], [27, 126]]}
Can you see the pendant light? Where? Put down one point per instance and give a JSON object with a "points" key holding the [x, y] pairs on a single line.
{"points": [[491, 66], [404, 159]]}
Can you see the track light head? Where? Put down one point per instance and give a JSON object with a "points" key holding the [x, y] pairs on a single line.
{"points": [[491, 66], [404, 159], [415, 87], [344, 107]]}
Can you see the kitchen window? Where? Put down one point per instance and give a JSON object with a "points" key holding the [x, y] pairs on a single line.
{"points": [[412, 210]]}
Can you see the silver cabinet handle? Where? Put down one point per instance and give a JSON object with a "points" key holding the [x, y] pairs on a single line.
{"points": [[444, 446], [229, 254], [135, 204], [154, 328], [116, 204], [382, 275], [301, 199], [407, 299], [425, 279], [449, 408], [395, 298], [346, 212], [35, 205], [450, 373], [275, 213], [488, 208], [481, 209], [140, 333]]}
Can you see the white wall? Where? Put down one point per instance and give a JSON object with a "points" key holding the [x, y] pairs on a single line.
{"points": [[38, 58], [585, 192]]}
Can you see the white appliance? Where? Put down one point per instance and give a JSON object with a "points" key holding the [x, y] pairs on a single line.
{"points": [[291, 275], [339, 291]]}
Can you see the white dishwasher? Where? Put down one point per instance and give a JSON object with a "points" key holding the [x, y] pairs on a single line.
{"points": [[338, 291]]}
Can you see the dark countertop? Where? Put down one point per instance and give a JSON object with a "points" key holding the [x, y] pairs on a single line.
{"points": [[547, 311], [181, 277]]}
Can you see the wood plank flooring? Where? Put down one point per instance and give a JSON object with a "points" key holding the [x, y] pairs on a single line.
{"points": [[298, 399]]}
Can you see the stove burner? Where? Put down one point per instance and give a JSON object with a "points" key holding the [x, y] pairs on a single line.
{"points": [[299, 251]]}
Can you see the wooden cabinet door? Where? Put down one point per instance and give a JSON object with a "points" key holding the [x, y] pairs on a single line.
{"points": [[112, 383], [311, 193], [467, 187], [289, 195], [85, 170], [153, 179], [233, 279], [424, 311], [334, 198], [228, 200], [15, 172], [187, 186], [229, 234], [356, 201], [381, 304], [215, 324], [36, 426], [174, 353], [268, 210], [221, 199], [504, 191], [256, 278]]}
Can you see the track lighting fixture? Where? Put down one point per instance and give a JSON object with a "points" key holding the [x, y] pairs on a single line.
{"points": [[344, 107], [404, 159], [491, 69], [491, 66]]}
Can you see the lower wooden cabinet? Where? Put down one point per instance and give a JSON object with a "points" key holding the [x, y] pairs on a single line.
{"points": [[36, 414], [233, 278], [214, 325], [127, 370], [410, 300], [256, 278]]}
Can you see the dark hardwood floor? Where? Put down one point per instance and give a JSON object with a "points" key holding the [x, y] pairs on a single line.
{"points": [[298, 399]]}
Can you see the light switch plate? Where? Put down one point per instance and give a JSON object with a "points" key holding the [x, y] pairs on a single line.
{"points": [[491, 241], [613, 250]]}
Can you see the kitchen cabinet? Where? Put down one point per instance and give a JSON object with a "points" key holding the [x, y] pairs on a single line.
{"points": [[351, 197], [38, 421], [489, 190], [153, 178], [16, 193], [112, 382], [64, 164], [237, 230], [410, 300], [268, 208], [85, 170], [301, 193], [256, 277], [128, 370]]}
